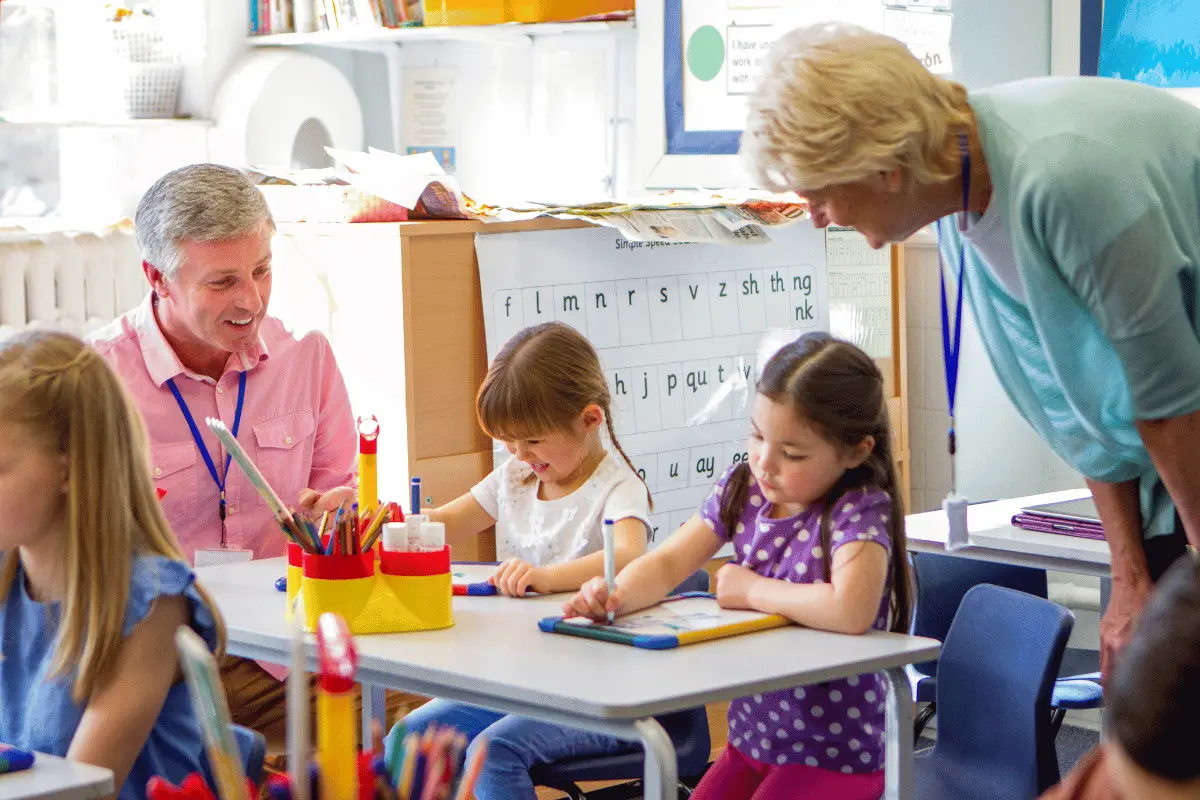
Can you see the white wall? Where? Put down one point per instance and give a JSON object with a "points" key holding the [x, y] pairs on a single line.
{"points": [[999, 455]]}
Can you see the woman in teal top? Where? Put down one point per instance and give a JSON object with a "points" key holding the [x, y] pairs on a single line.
{"points": [[93, 585], [1080, 237]]}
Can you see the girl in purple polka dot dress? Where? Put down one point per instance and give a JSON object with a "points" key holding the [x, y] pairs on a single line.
{"points": [[817, 527]]}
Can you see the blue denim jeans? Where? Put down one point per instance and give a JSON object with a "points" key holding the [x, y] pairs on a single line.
{"points": [[515, 744]]}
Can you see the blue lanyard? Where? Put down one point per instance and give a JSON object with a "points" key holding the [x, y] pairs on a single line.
{"points": [[951, 346], [219, 480]]}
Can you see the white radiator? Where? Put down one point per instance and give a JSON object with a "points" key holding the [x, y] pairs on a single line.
{"points": [[70, 280]]}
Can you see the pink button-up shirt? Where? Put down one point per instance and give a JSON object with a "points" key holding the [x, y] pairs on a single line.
{"points": [[296, 425]]}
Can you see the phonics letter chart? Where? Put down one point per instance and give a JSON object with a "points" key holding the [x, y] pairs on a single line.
{"points": [[681, 331]]}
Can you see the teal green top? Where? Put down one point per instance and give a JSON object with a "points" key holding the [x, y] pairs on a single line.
{"points": [[1098, 185]]}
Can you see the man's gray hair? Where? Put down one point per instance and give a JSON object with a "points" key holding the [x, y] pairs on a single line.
{"points": [[202, 203]]}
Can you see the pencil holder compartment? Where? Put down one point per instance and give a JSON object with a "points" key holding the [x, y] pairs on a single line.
{"points": [[379, 600], [295, 574], [422, 583]]}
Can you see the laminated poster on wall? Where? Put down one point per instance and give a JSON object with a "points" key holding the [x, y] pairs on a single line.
{"points": [[725, 45], [431, 123], [682, 331]]}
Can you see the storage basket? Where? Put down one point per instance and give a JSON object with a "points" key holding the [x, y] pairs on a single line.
{"points": [[139, 42]]}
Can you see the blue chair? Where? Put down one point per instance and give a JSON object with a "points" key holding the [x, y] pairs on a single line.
{"points": [[942, 582], [688, 731], [253, 747], [995, 676]]}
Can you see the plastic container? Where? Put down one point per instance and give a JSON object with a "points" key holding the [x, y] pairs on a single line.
{"points": [[562, 10], [397, 593], [464, 12], [295, 574], [152, 90]]}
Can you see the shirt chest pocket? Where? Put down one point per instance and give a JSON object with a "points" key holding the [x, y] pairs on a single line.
{"points": [[284, 450], [174, 470]]}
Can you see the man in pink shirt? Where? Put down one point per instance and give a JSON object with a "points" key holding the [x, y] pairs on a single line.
{"points": [[202, 345]]}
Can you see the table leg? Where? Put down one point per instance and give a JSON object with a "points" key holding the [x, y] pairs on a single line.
{"points": [[374, 707], [898, 760], [661, 780]]}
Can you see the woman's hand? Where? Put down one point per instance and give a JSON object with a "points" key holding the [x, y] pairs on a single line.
{"points": [[1117, 625]]}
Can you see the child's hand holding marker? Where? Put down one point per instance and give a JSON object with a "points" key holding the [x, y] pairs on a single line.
{"points": [[515, 577], [595, 601]]}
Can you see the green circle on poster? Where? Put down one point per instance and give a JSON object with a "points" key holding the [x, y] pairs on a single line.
{"points": [[705, 53]]}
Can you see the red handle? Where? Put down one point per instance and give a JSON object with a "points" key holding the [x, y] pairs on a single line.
{"points": [[337, 660], [368, 434]]}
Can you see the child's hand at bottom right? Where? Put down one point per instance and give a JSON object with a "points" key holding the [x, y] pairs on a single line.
{"points": [[593, 601]]}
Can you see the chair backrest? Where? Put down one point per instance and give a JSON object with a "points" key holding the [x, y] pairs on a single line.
{"points": [[698, 581], [943, 581], [997, 670], [252, 746]]}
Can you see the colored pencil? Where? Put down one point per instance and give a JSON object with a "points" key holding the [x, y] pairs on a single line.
{"points": [[248, 467], [408, 766], [467, 787], [333, 532], [375, 529]]}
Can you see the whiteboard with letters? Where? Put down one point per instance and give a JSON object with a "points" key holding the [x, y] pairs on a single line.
{"points": [[681, 331]]}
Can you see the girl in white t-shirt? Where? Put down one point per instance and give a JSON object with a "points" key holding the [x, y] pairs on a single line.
{"points": [[546, 397]]}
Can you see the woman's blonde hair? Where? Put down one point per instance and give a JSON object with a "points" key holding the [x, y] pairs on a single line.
{"points": [[838, 103], [68, 398], [540, 381]]}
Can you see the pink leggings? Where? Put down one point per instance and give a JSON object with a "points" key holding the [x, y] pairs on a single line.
{"points": [[735, 776]]}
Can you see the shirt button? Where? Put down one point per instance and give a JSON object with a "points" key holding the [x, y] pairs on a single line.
{"points": [[220, 390], [287, 440], [157, 471]]}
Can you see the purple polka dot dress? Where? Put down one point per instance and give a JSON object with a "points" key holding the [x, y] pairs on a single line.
{"points": [[837, 725]]}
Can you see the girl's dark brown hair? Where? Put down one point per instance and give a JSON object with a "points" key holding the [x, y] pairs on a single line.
{"points": [[540, 381], [837, 388], [1153, 694]]}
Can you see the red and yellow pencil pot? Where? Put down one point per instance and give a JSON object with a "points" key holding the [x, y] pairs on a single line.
{"points": [[375, 593]]}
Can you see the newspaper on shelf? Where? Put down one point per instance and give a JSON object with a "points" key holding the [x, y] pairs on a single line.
{"points": [[418, 183]]}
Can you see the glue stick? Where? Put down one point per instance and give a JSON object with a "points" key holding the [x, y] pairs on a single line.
{"points": [[395, 537], [433, 536], [414, 522]]}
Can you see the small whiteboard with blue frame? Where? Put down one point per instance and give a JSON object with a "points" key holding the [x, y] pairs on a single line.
{"points": [[677, 621]]}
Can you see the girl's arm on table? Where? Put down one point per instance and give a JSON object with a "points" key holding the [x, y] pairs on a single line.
{"points": [[464, 517], [629, 542], [848, 604]]}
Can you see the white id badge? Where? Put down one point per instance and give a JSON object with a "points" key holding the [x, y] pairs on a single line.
{"points": [[220, 556], [955, 506]]}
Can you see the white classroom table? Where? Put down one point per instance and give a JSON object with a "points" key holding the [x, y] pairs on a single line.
{"points": [[496, 657], [53, 778], [993, 537]]}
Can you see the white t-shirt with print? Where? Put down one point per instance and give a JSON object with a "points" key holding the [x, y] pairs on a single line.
{"points": [[544, 532]]}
